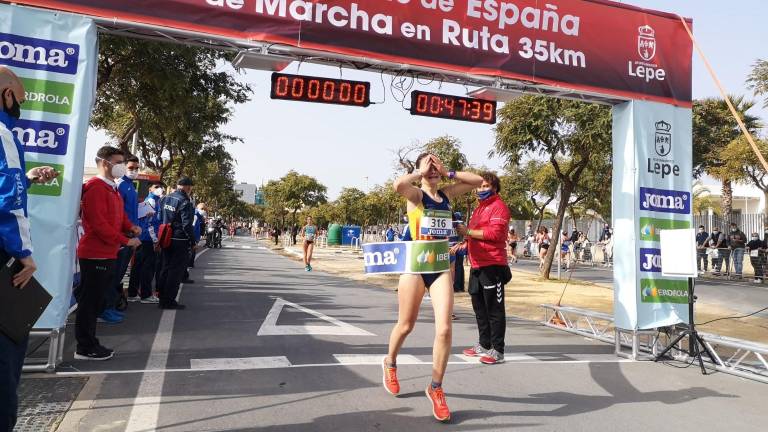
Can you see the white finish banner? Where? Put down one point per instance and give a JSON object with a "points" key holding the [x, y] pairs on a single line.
{"points": [[54, 54], [652, 178]]}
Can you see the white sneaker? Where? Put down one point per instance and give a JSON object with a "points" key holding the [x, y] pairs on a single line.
{"points": [[151, 300], [757, 281], [134, 299]]}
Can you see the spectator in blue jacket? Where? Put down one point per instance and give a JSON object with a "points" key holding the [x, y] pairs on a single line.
{"points": [[15, 240], [198, 225], [143, 270], [702, 237]]}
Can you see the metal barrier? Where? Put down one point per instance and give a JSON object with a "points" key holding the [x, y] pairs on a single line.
{"points": [[355, 244], [321, 242], [732, 356], [733, 264], [739, 353], [55, 351]]}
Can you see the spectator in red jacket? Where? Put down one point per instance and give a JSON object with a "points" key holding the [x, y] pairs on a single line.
{"points": [[107, 228], [486, 241]]}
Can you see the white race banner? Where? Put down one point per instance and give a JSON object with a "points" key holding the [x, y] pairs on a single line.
{"points": [[55, 56], [652, 179]]}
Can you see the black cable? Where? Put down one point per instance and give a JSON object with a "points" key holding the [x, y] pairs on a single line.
{"points": [[733, 317]]}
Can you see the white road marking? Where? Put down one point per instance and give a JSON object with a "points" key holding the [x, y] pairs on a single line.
{"points": [[507, 358], [240, 363], [270, 328], [262, 248], [362, 363], [146, 405], [374, 359]]}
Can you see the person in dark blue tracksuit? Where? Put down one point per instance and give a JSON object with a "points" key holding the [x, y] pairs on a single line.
{"points": [[15, 240], [143, 271], [176, 210]]}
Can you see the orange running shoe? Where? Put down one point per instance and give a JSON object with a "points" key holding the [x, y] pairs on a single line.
{"points": [[439, 406], [391, 384]]}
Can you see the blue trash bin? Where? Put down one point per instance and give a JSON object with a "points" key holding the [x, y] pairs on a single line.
{"points": [[348, 232]]}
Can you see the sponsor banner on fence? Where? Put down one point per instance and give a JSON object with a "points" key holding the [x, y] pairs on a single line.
{"points": [[55, 56], [593, 46], [407, 257], [651, 192]]}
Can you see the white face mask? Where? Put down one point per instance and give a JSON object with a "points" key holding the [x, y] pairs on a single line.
{"points": [[158, 192], [132, 174], [118, 170], [203, 213]]}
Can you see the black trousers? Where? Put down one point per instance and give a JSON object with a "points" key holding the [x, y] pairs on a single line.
{"points": [[486, 288], [94, 276], [114, 290], [458, 275], [11, 362], [143, 271], [175, 260]]}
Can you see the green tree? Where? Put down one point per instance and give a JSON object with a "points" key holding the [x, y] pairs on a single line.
{"points": [[383, 205], [299, 191], [702, 201], [739, 159], [171, 96], [758, 79], [714, 128], [566, 133], [351, 206]]}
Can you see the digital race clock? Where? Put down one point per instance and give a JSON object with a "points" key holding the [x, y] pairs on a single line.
{"points": [[453, 107], [322, 90]]}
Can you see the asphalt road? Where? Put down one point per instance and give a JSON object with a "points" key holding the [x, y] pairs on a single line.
{"points": [[267, 346], [741, 296]]}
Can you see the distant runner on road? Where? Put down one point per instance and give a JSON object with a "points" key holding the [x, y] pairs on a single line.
{"points": [[308, 234], [412, 287]]}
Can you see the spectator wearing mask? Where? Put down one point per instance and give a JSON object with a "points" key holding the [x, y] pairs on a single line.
{"points": [[127, 190], [757, 257], [702, 238], [486, 243], [15, 240], [737, 242], [145, 263], [177, 211], [389, 235], [107, 229], [719, 251], [605, 239], [201, 213]]}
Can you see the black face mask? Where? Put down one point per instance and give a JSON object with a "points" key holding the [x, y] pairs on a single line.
{"points": [[15, 109]]}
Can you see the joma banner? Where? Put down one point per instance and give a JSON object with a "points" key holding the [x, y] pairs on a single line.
{"points": [[413, 257], [592, 46]]}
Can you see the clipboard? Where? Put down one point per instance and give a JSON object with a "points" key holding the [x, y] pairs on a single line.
{"points": [[20, 308]]}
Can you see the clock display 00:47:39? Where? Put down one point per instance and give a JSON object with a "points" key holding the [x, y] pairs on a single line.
{"points": [[453, 107]]}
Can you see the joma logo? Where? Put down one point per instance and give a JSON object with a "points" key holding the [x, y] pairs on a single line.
{"points": [[381, 258], [665, 201], [39, 54], [42, 137]]}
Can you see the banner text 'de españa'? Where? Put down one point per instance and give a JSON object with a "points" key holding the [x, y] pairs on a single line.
{"points": [[598, 47]]}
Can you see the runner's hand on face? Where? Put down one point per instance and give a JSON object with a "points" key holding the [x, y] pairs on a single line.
{"points": [[439, 166]]}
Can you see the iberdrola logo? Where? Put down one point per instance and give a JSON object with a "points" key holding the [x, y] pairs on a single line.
{"points": [[651, 292], [426, 257], [649, 230]]}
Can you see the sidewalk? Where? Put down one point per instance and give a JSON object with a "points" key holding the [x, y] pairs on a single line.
{"points": [[527, 291]]}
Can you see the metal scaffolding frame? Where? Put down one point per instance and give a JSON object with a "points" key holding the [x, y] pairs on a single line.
{"points": [[733, 356]]}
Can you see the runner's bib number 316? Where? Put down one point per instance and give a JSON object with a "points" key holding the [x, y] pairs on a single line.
{"points": [[436, 223]]}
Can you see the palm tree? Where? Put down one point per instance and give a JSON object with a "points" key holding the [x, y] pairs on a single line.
{"points": [[702, 200], [713, 129]]}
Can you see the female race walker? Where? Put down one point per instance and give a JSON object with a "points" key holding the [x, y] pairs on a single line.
{"points": [[412, 287], [308, 234]]}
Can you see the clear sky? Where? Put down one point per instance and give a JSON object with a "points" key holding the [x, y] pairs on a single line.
{"points": [[346, 146]]}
